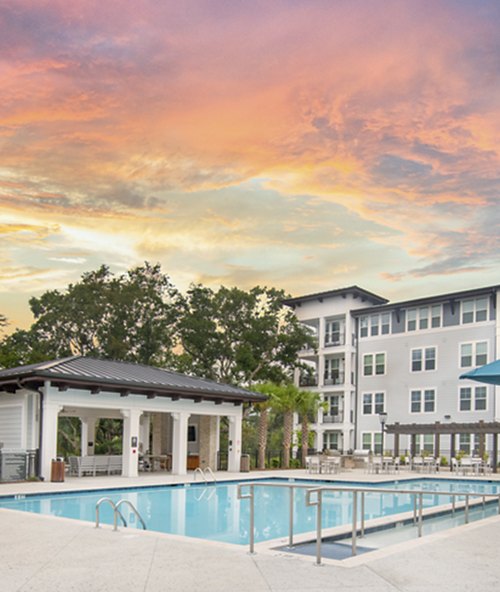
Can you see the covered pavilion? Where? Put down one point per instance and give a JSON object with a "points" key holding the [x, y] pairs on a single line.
{"points": [[162, 411]]}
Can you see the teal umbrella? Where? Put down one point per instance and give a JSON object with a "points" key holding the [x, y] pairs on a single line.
{"points": [[489, 373]]}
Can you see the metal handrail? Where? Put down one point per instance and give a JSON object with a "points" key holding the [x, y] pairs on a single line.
{"points": [[133, 508], [418, 496], [116, 512], [203, 473]]}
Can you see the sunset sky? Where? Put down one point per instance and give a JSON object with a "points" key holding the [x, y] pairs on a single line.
{"points": [[301, 144]]}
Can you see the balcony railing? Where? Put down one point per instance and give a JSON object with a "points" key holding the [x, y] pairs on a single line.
{"points": [[335, 379], [308, 381], [307, 349], [335, 340], [333, 418]]}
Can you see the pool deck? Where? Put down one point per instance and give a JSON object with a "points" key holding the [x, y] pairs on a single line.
{"points": [[45, 554]]}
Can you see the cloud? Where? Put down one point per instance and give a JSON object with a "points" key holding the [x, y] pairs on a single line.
{"points": [[300, 143]]}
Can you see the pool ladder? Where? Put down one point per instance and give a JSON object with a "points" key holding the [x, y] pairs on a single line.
{"points": [[204, 472], [116, 512]]}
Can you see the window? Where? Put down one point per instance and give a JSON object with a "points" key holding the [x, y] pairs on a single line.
{"points": [[191, 433], [331, 440], [465, 399], [480, 398], [367, 441], [436, 316], [375, 324], [475, 310], [473, 354], [423, 401], [423, 359], [428, 443], [373, 403], [334, 333], [373, 364], [424, 317], [334, 371], [333, 402], [411, 323], [429, 402], [372, 441], [473, 398], [363, 327], [465, 443], [416, 360]]}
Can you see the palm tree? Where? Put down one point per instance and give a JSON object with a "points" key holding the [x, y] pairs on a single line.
{"points": [[309, 404], [286, 399], [264, 408]]}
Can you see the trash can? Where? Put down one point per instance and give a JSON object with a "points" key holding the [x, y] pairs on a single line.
{"points": [[57, 471], [245, 463]]}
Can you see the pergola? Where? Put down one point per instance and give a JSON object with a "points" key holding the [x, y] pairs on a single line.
{"points": [[438, 429]]}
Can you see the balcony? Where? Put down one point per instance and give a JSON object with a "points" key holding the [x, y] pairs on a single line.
{"points": [[333, 418], [309, 349], [337, 378], [334, 340], [308, 380]]}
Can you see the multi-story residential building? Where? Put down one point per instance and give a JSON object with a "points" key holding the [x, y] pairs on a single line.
{"points": [[403, 359]]}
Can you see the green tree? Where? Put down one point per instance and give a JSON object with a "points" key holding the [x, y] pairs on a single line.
{"points": [[129, 317], [264, 410], [23, 347], [239, 337], [308, 405], [285, 400]]}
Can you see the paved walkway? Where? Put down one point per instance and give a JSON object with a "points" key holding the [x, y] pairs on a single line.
{"points": [[53, 554]]}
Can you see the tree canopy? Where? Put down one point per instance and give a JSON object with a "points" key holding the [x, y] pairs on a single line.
{"points": [[238, 336], [129, 317], [231, 335]]}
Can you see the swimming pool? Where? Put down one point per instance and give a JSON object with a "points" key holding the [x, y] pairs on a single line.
{"points": [[215, 513]]}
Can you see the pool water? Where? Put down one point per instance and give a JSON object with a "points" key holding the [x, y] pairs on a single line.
{"points": [[214, 512]]}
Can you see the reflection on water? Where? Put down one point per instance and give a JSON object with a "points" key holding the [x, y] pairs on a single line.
{"points": [[214, 512]]}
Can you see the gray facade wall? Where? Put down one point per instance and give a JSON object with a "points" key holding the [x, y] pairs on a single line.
{"points": [[399, 379]]}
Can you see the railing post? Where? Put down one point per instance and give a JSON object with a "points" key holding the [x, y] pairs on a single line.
{"points": [[415, 510], [362, 534], [252, 519], [421, 502], [499, 504], [290, 524], [354, 520], [453, 504], [467, 508], [318, 527]]}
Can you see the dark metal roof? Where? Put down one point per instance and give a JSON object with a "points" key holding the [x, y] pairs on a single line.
{"points": [[488, 290], [354, 290], [82, 372]]}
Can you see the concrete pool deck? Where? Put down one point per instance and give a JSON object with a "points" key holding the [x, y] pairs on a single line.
{"points": [[43, 553]]}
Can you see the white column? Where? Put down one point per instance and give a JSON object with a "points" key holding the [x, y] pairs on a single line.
{"points": [[88, 435], [49, 437], [179, 443], [319, 441], [130, 444], [145, 429], [234, 452]]}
